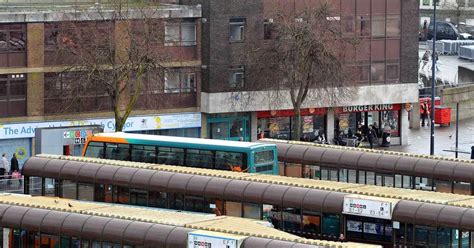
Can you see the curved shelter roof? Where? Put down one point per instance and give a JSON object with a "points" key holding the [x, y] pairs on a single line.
{"points": [[137, 226], [440, 168], [316, 195]]}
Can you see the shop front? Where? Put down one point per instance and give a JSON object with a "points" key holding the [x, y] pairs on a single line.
{"points": [[353, 121], [280, 124], [19, 138], [230, 126]]}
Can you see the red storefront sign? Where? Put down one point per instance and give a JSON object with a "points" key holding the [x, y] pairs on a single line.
{"points": [[369, 108], [290, 112]]}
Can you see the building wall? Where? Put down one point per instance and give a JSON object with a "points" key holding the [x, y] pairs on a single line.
{"points": [[462, 94], [35, 69]]}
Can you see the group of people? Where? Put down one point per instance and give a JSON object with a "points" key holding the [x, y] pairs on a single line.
{"points": [[7, 168], [426, 58], [363, 133]]}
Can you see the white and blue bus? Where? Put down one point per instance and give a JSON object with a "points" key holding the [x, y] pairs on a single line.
{"points": [[192, 152]]}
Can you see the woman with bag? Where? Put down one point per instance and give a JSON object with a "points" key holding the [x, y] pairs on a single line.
{"points": [[15, 169]]}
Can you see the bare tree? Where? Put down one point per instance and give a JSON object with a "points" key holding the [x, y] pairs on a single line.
{"points": [[303, 59], [114, 55]]}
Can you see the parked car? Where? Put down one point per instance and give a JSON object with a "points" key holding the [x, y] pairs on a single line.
{"points": [[444, 31]]}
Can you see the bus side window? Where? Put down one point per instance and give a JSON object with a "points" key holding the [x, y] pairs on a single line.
{"points": [[95, 150], [117, 151], [230, 161], [138, 153]]}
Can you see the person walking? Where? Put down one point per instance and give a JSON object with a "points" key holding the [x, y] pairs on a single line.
{"points": [[6, 166], [436, 58], [2, 166], [14, 168], [425, 59], [424, 113], [371, 136]]}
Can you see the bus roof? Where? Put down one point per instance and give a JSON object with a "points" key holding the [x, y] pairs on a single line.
{"points": [[133, 138]]}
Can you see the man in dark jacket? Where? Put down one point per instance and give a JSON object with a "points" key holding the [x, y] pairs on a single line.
{"points": [[14, 164]]}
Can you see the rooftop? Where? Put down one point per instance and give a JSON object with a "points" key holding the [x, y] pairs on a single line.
{"points": [[205, 222], [51, 11], [350, 188]]}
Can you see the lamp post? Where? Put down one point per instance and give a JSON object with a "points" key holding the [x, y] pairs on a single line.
{"points": [[433, 79]]}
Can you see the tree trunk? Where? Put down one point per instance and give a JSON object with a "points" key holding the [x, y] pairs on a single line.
{"points": [[297, 126]]}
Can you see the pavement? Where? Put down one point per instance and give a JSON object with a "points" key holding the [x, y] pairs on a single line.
{"points": [[445, 139], [447, 65]]}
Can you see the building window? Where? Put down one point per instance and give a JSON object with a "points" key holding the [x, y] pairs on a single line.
{"points": [[363, 25], [378, 73], [180, 34], [237, 76], [268, 30], [12, 45], [13, 95], [237, 29], [176, 82], [393, 75], [378, 26], [426, 2], [348, 24], [393, 26]]}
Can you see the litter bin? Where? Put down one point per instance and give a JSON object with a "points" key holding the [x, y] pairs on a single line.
{"points": [[442, 115], [385, 139]]}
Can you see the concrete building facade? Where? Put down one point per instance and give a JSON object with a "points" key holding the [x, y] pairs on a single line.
{"points": [[32, 96]]}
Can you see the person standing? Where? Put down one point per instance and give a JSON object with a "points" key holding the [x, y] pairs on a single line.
{"points": [[2, 166], [371, 136], [5, 167], [424, 113], [425, 59]]}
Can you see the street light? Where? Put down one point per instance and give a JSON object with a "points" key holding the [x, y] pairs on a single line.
{"points": [[433, 78]]}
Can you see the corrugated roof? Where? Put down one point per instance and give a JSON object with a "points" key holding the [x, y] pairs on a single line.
{"points": [[206, 222], [362, 189], [290, 142]]}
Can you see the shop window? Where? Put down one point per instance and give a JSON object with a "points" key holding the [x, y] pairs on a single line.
{"points": [[444, 237], [197, 204], [12, 95], [69, 189], [233, 209], [390, 122], [180, 34], [252, 211], [85, 192], [157, 199], [378, 26], [237, 76], [180, 82], [237, 29], [105, 193]]}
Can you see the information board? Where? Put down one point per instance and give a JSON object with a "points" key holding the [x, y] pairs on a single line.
{"points": [[204, 240], [368, 208]]}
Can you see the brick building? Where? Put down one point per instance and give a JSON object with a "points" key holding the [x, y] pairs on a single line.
{"points": [[31, 95], [386, 62]]}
